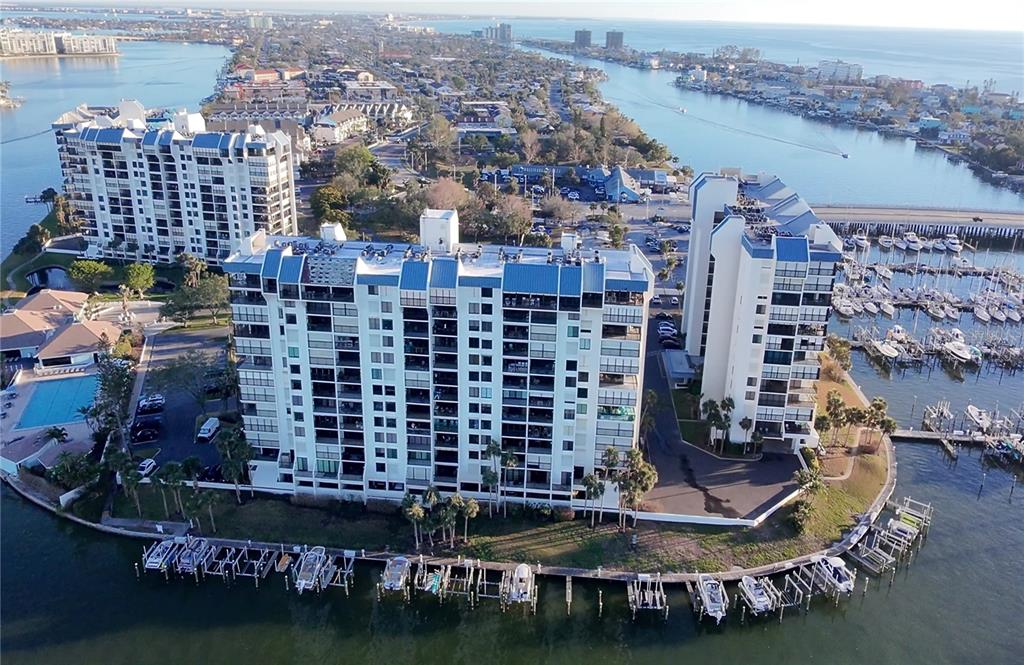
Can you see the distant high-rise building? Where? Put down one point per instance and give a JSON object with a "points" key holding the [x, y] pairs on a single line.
{"points": [[261, 22], [501, 33], [613, 39], [582, 39], [150, 188], [837, 71]]}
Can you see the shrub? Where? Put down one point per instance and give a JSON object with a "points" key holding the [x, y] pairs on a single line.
{"points": [[801, 515], [565, 515], [811, 459]]}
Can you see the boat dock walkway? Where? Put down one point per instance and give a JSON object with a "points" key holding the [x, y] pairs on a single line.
{"points": [[923, 436]]}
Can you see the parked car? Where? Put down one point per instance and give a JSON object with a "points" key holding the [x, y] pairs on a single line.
{"points": [[656, 300], [564, 191], [147, 422], [663, 315], [208, 431], [147, 466], [675, 301], [682, 228], [145, 435], [574, 196], [211, 474], [671, 344]]}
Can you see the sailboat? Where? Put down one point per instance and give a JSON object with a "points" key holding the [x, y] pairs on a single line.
{"points": [[981, 314]]}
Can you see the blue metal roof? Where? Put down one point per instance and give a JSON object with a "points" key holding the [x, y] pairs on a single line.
{"points": [[291, 269], [271, 264], [635, 285], [212, 140], [791, 249], [530, 278], [480, 281], [570, 281], [593, 277], [377, 280], [414, 276], [759, 251], [444, 273]]}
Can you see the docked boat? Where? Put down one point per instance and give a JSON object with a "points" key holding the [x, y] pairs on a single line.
{"points": [[310, 564], [861, 240], [997, 313], [958, 351], [938, 245], [396, 574], [712, 597], [897, 334], [885, 242], [857, 307], [912, 242], [870, 307], [979, 417], [756, 594], [887, 308], [844, 309], [834, 570], [159, 556], [885, 349], [193, 556], [522, 587], [883, 272], [952, 243], [981, 314], [900, 243], [1012, 314], [935, 311], [951, 312], [903, 530]]}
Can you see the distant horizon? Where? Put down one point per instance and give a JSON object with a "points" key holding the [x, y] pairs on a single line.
{"points": [[1001, 16]]}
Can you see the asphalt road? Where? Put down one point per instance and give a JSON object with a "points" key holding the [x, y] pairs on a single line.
{"points": [[177, 440]]}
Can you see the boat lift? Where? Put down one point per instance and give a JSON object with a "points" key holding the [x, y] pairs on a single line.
{"points": [[431, 578], [646, 592], [395, 578], [518, 587], [461, 580], [769, 600]]}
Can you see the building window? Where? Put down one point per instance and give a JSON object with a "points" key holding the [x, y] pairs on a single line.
{"points": [[386, 306], [584, 344], [574, 331], [381, 467], [299, 416], [756, 339], [581, 409], [377, 374]]}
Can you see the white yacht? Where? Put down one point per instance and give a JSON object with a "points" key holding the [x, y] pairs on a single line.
{"points": [[844, 309], [887, 308], [193, 556], [997, 313], [883, 272], [952, 243], [958, 351], [523, 587], [937, 245], [857, 307], [900, 243], [979, 417], [981, 314], [951, 312], [885, 242], [835, 572], [935, 311], [396, 574], [159, 555], [1012, 314], [310, 564], [870, 307], [712, 597], [897, 334], [913, 243], [885, 349], [860, 239]]}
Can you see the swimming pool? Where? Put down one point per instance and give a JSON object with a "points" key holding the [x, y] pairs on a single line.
{"points": [[56, 402]]}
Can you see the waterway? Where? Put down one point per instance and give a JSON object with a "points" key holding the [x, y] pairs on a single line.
{"points": [[70, 595], [159, 74]]}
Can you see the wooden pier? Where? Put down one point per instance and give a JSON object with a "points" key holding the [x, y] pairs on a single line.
{"points": [[647, 593]]}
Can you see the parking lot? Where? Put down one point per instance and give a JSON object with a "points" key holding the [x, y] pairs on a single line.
{"points": [[176, 439]]}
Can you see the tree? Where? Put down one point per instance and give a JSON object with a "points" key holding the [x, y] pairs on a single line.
{"points": [[73, 470], [489, 477], [647, 419], [325, 199], [450, 510], [235, 452], [413, 511], [161, 484], [835, 409], [131, 480], [888, 426], [839, 350], [431, 497], [593, 488], [208, 500], [193, 504], [182, 305], [555, 207], [191, 467], [822, 423], [186, 373], [609, 474], [446, 194], [355, 161], [89, 275], [33, 241], [439, 133], [508, 462], [194, 268], [876, 414], [617, 236], [57, 434], [173, 476], [530, 145], [515, 217], [642, 479], [233, 472], [469, 511], [139, 278], [212, 294], [746, 424], [713, 415], [378, 175], [853, 415], [757, 439]]}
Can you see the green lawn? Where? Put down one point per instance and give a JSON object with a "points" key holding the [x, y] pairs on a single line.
{"points": [[696, 432], [687, 405]]}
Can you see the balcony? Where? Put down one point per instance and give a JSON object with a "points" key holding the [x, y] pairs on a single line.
{"points": [[513, 415], [446, 361], [417, 396], [446, 378], [515, 316], [446, 410], [444, 440], [515, 349], [516, 332], [530, 302], [446, 394], [446, 425], [416, 364], [620, 332], [417, 329], [445, 344], [542, 383], [441, 312], [515, 367], [417, 411], [619, 413], [445, 328], [417, 348], [545, 367]]}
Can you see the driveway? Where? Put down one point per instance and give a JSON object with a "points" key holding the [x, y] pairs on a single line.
{"points": [[176, 440], [694, 482]]}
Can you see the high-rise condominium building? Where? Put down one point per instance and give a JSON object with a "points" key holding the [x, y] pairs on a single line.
{"points": [[152, 187], [759, 290], [837, 71], [613, 39], [369, 370], [582, 39]]}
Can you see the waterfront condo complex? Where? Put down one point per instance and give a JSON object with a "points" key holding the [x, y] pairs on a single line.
{"points": [[759, 290], [367, 370], [151, 186]]}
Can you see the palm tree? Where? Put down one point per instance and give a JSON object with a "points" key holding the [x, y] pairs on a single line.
{"points": [[647, 420], [746, 424], [417, 515], [158, 481], [493, 453], [712, 414], [58, 434], [679, 287], [822, 423], [430, 497], [609, 474], [194, 504], [469, 511], [233, 470], [449, 518], [207, 499], [726, 406], [191, 466], [456, 504], [643, 478], [888, 426], [756, 439], [490, 478], [835, 409], [173, 476], [408, 501], [508, 462], [592, 486], [131, 479]]}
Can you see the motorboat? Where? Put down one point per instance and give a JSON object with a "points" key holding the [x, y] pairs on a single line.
{"points": [[861, 240], [885, 349], [883, 272], [887, 308], [756, 594], [938, 245], [870, 307], [997, 313], [844, 309], [936, 311], [900, 243], [310, 564], [857, 307], [956, 335], [522, 587], [951, 312], [979, 417], [712, 597], [193, 556], [160, 554], [396, 574], [897, 334], [958, 351], [885, 242], [1012, 314], [835, 572], [981, 314], [913, 243], [952, 243]]}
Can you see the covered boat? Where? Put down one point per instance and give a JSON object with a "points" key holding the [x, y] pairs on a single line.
{"points": [[310, 564], [835, 572], [756, 593]]}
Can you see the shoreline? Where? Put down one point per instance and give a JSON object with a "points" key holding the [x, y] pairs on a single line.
{"points": [[38, 56]]}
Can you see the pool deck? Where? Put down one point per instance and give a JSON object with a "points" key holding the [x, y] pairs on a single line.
{"points": [[20, 444]]}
